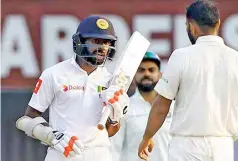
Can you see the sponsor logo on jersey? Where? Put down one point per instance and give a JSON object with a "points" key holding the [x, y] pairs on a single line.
{"points": [[72, 87]]}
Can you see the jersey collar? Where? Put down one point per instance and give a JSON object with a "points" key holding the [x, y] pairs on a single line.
{"points": [[137, 95], [210, 38], [74, 63]]}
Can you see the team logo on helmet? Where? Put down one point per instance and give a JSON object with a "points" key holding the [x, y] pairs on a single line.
{"points": [[102, 24]]}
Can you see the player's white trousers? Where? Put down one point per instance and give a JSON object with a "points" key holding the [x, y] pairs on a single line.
{"points": [[201, 149], [94, 154]]}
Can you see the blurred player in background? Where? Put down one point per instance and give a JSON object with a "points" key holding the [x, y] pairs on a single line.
{"points": [[203, 78], [73, 92], [125, 142]]}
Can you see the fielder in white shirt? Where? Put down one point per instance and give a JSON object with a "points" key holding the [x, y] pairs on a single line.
{"points": [[126, 141], [203, 79], [73, 92]]}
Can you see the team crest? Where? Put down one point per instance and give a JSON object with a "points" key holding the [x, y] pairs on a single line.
{"points": [[100, 89], [102, 24]]}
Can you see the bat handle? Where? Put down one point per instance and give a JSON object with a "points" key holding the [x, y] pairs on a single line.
{"points": [[103, 120]]}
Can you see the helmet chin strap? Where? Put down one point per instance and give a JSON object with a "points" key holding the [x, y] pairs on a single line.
{"points": [[91, 58], [81, 59], [86, 66], [86, 59]]}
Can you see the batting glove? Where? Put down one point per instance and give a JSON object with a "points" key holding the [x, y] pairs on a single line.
{"points": [[119, 102], [67, 144]]}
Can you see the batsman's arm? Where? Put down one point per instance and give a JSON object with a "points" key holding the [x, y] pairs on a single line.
{"points": [[112, 130], [34, 125], [37, 127], [32, 113]]}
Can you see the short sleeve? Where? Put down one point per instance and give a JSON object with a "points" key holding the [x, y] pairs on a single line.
{"points": [[168, 85], [43, 93]]}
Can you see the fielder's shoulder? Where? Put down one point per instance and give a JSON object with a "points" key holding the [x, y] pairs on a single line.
{"points": [[177, 55], [182, 54], [184, 51], [232, 51]]}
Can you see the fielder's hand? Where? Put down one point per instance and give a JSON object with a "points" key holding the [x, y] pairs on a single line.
{"points": [[146, 146], [118, 100], [67, 144]]}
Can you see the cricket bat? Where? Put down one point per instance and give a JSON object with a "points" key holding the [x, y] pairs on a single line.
{"points": [[126, 68]]}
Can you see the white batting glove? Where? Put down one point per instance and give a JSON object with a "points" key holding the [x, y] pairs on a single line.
{"points": [[119, 102], [67, 144]]}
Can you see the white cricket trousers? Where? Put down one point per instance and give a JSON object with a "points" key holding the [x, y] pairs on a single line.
{"points": [[201, 149], [94, 154]]}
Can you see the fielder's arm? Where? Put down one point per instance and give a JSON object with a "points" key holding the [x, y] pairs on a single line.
{"points": [[157, 116]]}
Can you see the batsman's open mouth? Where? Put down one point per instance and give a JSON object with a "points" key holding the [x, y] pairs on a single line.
{"points": [[99, 57]]}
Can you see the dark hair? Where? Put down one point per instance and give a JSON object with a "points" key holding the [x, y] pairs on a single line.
{"points": [[153, 60], [204, 13]]}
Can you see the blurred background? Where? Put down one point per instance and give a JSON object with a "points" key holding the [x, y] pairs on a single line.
{"points": [[36, 34]]}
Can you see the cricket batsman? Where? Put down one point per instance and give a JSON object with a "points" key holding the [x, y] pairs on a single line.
{"points": [[73, 92], [203, 78]]}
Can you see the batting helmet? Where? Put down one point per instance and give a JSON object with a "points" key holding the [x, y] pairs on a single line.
{"points": [[94, 27]]}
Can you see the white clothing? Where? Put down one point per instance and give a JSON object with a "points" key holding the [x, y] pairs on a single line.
{"points": [[126, 142], [201, 149], [93, 154], [73, 100], [203, 78]]}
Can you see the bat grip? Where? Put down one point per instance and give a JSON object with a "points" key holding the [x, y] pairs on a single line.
{"points": [[102, 123]]}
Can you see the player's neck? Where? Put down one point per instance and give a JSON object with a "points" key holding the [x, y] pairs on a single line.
{"points": [[85, 66], [149, 96]]}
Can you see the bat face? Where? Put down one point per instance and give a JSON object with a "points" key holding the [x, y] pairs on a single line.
{"points": [[129, 61], [126, 68], [122, 80]]}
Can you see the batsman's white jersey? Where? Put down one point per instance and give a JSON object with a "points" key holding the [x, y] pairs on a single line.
{"points": [[75, 106], [125, 143], [203, 78]]}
